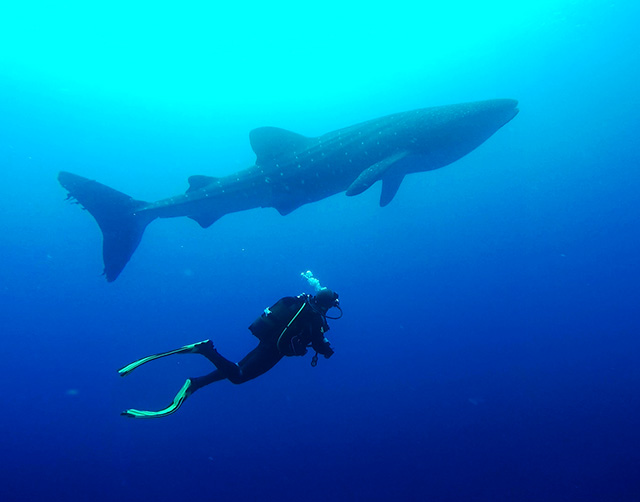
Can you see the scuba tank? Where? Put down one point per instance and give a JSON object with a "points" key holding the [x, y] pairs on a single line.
{"points": [[276, 319]]}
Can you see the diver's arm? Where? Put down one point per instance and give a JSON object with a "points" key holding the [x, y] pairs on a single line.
{"points": [[320, 343]]}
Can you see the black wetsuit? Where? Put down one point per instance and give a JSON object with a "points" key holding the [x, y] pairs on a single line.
{"points": [[287, 328]]}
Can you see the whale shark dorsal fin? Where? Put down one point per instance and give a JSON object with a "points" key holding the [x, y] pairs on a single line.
{"points": [[269, 143], [198, 181], [390, 185], [373, 173]]}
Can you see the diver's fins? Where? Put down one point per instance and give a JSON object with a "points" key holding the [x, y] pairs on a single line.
{"points": [[182, 394], [193, 348], [118, 215]]}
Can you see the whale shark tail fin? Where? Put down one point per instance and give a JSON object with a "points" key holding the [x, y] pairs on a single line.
{"points": [[116, 214]]}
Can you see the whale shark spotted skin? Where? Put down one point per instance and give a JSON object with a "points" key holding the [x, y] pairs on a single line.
{"points": [[292, 170]]}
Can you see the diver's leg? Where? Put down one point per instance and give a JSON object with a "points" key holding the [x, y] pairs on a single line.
{"points": [[258, 361], [227, 368], [199, 382], [255, 363]]}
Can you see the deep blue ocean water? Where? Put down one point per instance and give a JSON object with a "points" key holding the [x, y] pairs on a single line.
{"points": [[489, 349]]}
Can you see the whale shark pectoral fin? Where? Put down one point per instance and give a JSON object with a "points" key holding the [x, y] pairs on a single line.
{"points": [[390, 185], [373, 173]]}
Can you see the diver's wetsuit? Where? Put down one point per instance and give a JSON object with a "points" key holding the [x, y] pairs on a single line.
{"points": [[285, 329]]}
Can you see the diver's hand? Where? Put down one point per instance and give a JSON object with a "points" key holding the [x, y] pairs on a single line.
{"points": [[298, 346]]}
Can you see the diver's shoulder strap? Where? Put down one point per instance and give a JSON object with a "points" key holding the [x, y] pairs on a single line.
{"points": [[284, 341], [181, 396], [187, 349]]}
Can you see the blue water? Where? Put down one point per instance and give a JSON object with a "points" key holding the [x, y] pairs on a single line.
{"points": [[489, 349]]}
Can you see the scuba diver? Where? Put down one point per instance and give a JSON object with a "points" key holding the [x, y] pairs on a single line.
{"points": [[288, 328]]}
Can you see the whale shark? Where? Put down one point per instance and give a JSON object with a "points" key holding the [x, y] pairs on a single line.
{"points": [[292, 170]]}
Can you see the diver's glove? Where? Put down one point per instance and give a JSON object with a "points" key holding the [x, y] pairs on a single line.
{"points": [[181, 396]]}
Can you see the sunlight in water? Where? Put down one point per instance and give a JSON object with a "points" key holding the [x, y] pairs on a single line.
{"points": [[234, 53]]}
